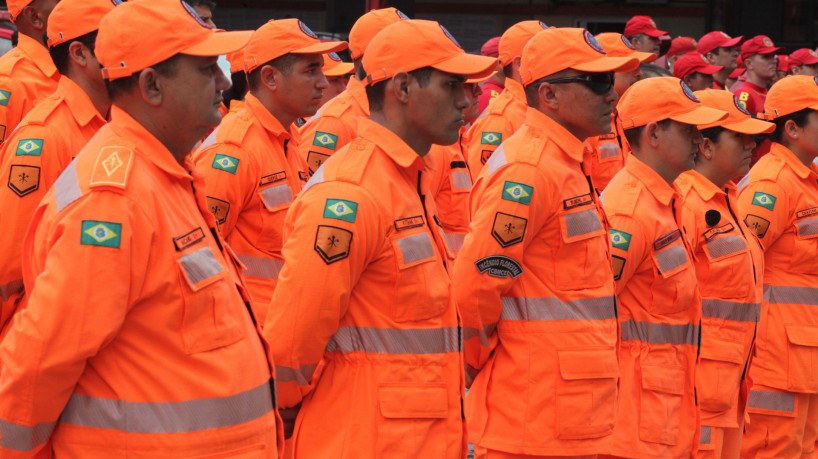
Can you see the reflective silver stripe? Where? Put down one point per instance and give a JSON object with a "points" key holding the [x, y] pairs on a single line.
{"points": [[262, 267], [395, 341], [415, 247], [200, 265], [210, 140], [67, 187], [316, 178], [461, 180], [454, 240], [731, 310], [608, 150], [23, 438], [704, 435], [583, 222], [601, 308], [807, 226], [743, 182], [168, 417], [497, 160], [791, 295], [778, 401], [725, 245], [471, 332], [277, 195], [13, 287], [301, 375], [671, 258], [648, 332]]}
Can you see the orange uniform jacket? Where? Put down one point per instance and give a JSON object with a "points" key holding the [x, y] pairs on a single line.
{"points": [[780, 204], [504, 115], [729, 265], [534, 286], [136, 340], [362, 319], [605, 155], [334, 126], [659, 314], [39, 150], [27, 76], [253, 172]]}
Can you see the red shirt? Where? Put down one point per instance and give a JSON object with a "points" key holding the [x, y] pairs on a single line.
{"points": [[491, 89]]}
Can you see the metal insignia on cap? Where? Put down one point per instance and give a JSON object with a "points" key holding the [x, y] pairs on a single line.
{"points": [[627, 42], [689, 92], [450, 36], [194, 14], [592, 42], [767, 41], [401, 14], [334, 57], [740, 106], [307, 30]]}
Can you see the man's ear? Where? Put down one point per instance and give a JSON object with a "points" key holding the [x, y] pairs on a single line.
{"points": [[547, 96], [400, 86], [150, 86]]}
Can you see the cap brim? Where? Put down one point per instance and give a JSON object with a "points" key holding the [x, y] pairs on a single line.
{"points": [[732, 42], [322, 47], [219, 43], [749, 126], [656, 33], [343, 68], [481, 78], [700, 115], [770, 50], [709, 69], [470, 65], [609, 64]]}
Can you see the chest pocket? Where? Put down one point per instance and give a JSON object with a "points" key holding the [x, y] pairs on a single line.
{"points": [[584, 243], [460, 180], [608, 151], [275, 200], [674, 284], [730, 262], [804, 258], [421, 289], [208, 319]]}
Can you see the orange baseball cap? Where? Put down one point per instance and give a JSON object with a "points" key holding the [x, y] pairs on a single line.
{"points": [[368, 25], [142, 33], [717, 39], [279, 37], [515, 38], [692, 63], [642, 25], [16, 7], [413, 44], [236, 60], [618, 45], [791, 94], [657, 99], [71, 19], [557, 49], [738, 118], [335, 67]]}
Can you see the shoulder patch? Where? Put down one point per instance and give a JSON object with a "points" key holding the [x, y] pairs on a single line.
{"points": [[218, 208], [620, 239], [517, 192], [341, 209], [100, 233], [499, 266], [325, 140], [29, 147], [508, 229], [5, 97], [491, 138], [225, 163], [485, 155], [618, 264], [24, 180], [764, 200], [408, 223], [188, 239], [112, 166], [315, 160], [757, 225], [332, 243]]}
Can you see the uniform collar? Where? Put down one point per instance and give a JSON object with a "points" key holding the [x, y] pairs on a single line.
{"points": [[390, 143], [269, 122], [703, 186], [653, 182], [78, 102], [357, 91], [789, 158], [38, 54], [146, 145], [515, 89], [566, 141]]}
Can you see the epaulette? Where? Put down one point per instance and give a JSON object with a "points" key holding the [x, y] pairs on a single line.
{"points": [[42, 111], [352, 168], [770, 172], [9, 60], [235, 131], [112, 167], [625, 202]]}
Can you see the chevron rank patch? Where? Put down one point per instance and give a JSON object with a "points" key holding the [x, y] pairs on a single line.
{"points": [[618, 266], [485, 155], [325, 140], [508, 229], [620, 239], [332, 243], [103, 234], [315, 160], [5, 97], [29, 147], [491, 138], [218, 208], [340, 209], [225, 163], [24, 179], [757, 224], [764, 200], [517, 192]]}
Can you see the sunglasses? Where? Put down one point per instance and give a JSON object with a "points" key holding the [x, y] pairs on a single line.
{"points": [[599, 83]]}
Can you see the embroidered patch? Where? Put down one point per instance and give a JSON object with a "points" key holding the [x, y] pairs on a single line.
{"points": [[618, 264], [303, 176], [806, 212], [592, 42], [315, 160], [408, 222], [225, 163], [579, 201], [620, 239], [517, 192], [188, 239], [341, 210], [499, 266], [307, 30], [325, 140], [450, 36], [741, 106], [713, 232], [689, 92], [666, 240], [194, 15], [757, 225], [272, 178], [24, 180], [112, 166], [100, 233], [485, 155], [218, 208], [5, 97], [29, 147], [508, 230], [332, 243], [491, 138], [764, 200]]}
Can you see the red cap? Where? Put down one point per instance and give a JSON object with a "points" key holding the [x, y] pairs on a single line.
{"points": [[491, 48], [642, 25], [784, 64], [736, 73], [681, 45], [803, 56], [692, 63], [717, 39], [760, 44]]}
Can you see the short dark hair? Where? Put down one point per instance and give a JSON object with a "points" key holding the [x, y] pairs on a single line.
{"points": [[238, 89], [124, 85], [799, 118], [632, 135], [654, 70], [59, 53], [712, 133], [207, 3], [284, 64], [508, 70], [376, 93], [532, 90]]}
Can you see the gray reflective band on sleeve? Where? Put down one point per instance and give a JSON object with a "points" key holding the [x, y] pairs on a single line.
{"points": [[277, 195], [200, 265], [731, 310], [23, 438], [301, 375], [395, 341], [778, 401], [777, 294], [545, 309], [726, 245], [671, 258], [13, 287], [416, 247], [807, 226], [653, 333], [483, 335], [67, 187], [261, 267], [584, 222], [454, 240], [497, 160], [316, 178], [461, 180]]}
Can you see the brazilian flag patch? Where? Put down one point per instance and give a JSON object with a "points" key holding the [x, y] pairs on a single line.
{"points": [[103, 234], [517, 192], [325, 140], [29, 147], [620, 239], [5, 96], [340, 209], [225, 163], [491, 138], [764, 200]]}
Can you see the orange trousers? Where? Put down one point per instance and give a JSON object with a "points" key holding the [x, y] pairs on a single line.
{"points": [[781, 424], [483, 453]]}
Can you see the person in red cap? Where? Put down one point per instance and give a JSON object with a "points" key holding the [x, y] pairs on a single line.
{"points": [[758, 58], [362, 318], [643, 33], [252, 168], [782, 67], [695, 71], [492, 87], [679, 46], [720, 49], [803, 61]]}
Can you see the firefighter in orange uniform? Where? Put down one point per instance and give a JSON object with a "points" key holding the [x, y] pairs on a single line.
{"points": [[362, 319], [534, 276], [505, 113], [253, 169], [137, 340], [51, 135], [729, 266], [659, 302], [778, 200]]}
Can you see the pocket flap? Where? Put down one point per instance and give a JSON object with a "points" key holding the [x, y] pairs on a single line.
{"points": [[663, 379], [588, 363], [723, 351], [580, 225], [413, 401], [803, 335]]}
